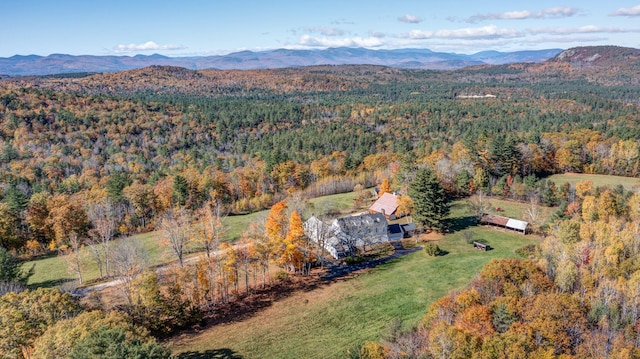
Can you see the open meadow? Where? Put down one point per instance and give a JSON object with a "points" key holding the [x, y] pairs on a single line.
{"points": [[338, 317], [598, 180], [51, 271]]}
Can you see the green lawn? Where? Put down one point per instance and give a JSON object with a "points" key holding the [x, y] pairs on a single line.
{"points": [[598, 180], [52, 271], [343, 202], [329, 321]]}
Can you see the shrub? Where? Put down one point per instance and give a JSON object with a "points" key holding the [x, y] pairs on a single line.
{"points": [[354, 259], [282, 276], [432, 249], [528, 251], [372, 350]]}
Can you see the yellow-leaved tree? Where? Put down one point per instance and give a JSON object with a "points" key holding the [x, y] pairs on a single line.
{"points": [[385, 187]]}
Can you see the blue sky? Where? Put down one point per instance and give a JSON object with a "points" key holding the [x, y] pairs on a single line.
{"points": [[199, 27]]}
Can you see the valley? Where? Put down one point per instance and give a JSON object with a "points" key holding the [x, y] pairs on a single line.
{"points": [[192, 189]]}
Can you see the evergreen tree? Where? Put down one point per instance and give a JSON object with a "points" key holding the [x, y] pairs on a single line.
{"points": [[10, 268], [116, 184], [429, 199], [180, 190], [462, 182]]}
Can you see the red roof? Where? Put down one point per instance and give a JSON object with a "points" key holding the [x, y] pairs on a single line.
{"points": [[494, 219], [387, 204]]}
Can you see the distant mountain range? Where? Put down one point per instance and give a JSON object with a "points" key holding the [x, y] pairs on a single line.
{"points": [[19, 65]]}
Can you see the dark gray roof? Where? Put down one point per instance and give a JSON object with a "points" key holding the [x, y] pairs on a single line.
{"points": [[361, 222], [394, 228]]}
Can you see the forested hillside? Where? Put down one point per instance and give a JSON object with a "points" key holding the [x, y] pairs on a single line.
{"points": [[577, 296], [148, 139], [86, 158]]}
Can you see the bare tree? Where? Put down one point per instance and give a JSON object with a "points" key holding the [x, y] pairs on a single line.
{"points": [[211, 229], [262, 248], [176, 227], [73, 258], [533, 214], [129, 259], [363, 230], [11, 287], [297, 202], [103, 218], [479, 204], [245, 257], [319, 232]]}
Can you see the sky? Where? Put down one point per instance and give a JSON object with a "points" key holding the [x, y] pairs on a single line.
{"points": [[216, 27]]}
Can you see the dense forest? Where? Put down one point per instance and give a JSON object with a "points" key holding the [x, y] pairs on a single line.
{"points": [[86, 158], [577, 296], [148, 139]]}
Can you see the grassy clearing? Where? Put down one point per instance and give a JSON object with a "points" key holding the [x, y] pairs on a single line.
{"points": [[598, 180], [327, 322], [517, 210], [343, 202], [236, 225], [52, 271]]}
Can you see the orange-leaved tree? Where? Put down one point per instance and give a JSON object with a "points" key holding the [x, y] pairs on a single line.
{"points": [[276, 227], [385, 187]]}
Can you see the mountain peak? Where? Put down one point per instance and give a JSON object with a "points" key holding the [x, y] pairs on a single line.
{"points": [[280, 58], [597, 55]]}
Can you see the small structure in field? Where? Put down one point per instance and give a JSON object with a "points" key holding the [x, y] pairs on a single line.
{"points": [[504, 222], [481, 246]]}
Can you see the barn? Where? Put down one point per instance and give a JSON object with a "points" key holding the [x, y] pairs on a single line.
{"points": [[387, 205], [343, 235], [504, 222]]}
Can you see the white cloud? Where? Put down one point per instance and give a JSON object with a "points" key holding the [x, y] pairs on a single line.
{"points": [[411, 19], [552, 12], [377, 34], [485, 32], [634, 11], [147, 46], [563, 39], [325, 31], [308, 40], [588, 29]]}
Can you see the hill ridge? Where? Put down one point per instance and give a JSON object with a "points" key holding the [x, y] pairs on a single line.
{"points": [[412, 58]]}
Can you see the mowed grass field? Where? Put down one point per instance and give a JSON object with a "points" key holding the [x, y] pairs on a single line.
{"points": [[331, 321], [598, 180], [53, 270]]}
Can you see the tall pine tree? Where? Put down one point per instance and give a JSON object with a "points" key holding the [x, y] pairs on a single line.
{"points": [[429, 200]]}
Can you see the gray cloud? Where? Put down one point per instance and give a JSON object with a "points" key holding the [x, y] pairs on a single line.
{"points": [[325, 31], [588, 29], [147, 46], [411, 19], [553, 12], [308, 40], [484, 32], [377, 34]]}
